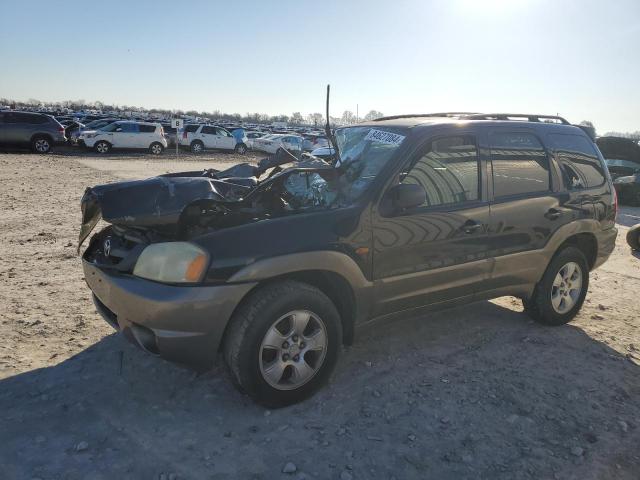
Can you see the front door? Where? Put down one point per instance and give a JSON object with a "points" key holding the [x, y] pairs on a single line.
{"points": [[225, 140], [437, 251]]}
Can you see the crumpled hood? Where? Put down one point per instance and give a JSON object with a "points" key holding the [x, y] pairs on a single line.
{"points": [[152, 202]]}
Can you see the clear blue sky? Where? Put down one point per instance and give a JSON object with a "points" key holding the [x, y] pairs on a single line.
{"points": [[580, 58]]}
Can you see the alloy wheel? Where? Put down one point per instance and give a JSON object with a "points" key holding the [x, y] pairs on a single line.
{"points": [[566, 288], [293, 350], [42, 145]]}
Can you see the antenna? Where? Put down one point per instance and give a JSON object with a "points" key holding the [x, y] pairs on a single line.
{"points": [[327, 128]]}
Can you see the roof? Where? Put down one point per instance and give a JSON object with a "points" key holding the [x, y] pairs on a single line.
{"points": [[412, 120]]}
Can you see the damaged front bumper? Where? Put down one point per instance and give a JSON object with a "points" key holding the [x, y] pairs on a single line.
{"points": [[183, 324]]}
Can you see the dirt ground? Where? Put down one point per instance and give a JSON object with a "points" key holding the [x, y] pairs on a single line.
{"points": [[475, 392]]}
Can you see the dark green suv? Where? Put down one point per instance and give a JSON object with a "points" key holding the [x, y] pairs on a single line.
{"points": [[277, 265]]}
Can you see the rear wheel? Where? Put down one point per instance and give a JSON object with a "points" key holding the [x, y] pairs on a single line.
{"points": [[197, 146], [156, 148], [102, 147], [41, 144], [241, 148], [560, 293], [283, 343]]}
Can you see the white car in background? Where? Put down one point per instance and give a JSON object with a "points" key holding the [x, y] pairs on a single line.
{"points": [[252, 136], [275, 142], [199, 138], [128, 135]]}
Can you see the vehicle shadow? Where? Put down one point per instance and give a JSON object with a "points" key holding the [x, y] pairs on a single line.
{"points": [[475, 392]]}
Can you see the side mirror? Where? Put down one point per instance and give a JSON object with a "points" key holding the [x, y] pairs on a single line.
{"points": [[407, 195]]}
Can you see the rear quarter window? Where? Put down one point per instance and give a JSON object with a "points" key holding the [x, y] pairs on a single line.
{"points": [[581, 168], [191, 128]]}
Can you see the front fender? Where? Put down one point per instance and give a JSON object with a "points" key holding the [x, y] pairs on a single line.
{"points": [[327, 261]]}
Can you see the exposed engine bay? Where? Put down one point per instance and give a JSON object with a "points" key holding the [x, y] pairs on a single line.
{"points": [[182, 205]]}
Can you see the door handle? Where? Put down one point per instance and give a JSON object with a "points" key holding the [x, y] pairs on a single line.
{"points": [[553, 214], [471, 226]]}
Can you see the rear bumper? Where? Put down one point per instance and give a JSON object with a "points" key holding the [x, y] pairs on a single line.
{"points": [[180, 324], [606, 244]]}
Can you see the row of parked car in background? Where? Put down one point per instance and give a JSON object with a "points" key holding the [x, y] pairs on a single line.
{"points": [[41, 132]]}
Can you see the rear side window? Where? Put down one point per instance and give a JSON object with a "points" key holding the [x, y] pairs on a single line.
{"points": [[223, 132], [209, 130], [147, 128], [520, 164], [448, 171], [29, 118], [191, 128], [579, 163]]}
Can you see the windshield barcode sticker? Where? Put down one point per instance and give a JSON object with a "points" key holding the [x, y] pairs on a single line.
{"points": [[384, 137]]}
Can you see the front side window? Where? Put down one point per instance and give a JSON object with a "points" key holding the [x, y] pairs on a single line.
{"points": [[520, 164], [448, 171], [579, 163], [129, 127]]}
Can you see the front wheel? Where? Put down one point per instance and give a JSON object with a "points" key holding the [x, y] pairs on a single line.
{"points": [[102, 147], [156, 148], [283, 343], [241, 148], [560, 293], [197, 147]]}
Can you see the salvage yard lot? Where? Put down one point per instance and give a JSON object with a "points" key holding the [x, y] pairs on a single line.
{"points": [[476, 392]]}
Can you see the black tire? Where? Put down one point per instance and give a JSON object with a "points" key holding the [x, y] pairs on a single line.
{"points": [[156, 148], [41, 144], [197, 146], [241, 149], [251, 322], [633, 237], [540, 307], [102, 147]]}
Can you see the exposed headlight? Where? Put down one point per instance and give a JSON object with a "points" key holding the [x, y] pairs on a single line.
{"points": [[625, 180], [172, 262]]}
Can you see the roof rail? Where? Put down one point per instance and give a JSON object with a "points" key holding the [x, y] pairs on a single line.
{"points": [[509, 116], [441, 114]]}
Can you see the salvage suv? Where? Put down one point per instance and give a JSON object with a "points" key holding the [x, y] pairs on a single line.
{"points": [[277, 265]]}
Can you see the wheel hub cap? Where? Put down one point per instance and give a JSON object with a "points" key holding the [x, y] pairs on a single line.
{"points": [[566, 288], [293, 350]]}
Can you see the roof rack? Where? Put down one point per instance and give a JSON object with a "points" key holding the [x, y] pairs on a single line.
{"points": [[441, 114], [510, 116]]}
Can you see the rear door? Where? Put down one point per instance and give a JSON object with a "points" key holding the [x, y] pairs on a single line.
{"points": [[17, 128], [527, 204], [147, 135], [437, 251], [209, 136], [583, 174]]}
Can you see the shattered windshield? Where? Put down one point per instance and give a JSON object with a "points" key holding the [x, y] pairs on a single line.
{"points": [[364, 151]]}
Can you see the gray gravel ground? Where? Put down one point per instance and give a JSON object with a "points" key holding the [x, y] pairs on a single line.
{"points": [[475, 392]]}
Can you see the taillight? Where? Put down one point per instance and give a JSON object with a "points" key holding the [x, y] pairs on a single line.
{"points": [[615, 203]]}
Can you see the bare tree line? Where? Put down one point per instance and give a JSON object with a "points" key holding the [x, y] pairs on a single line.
{"points": [[296, 118]]}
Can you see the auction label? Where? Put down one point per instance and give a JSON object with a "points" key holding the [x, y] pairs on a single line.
{"points": [[384, 137]]}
